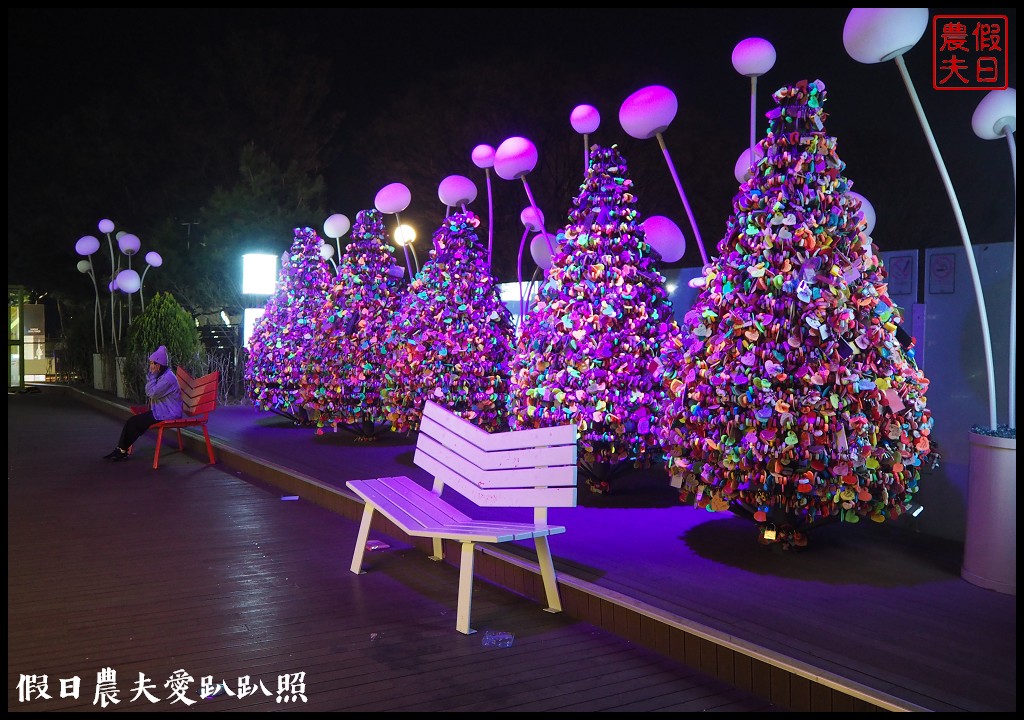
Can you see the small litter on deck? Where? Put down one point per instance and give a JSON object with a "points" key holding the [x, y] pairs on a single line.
{"points": [[215, 692], [494, 638], [289, 497], [372, 545]]}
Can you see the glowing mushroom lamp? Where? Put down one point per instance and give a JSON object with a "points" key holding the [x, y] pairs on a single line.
{"points": [[86, 246], [996, 117], [646, 114], [876, 35], [393, 199], [867, 210], [153, 259], [327, 253], [514, 159], [129, 245], [456, 191], [585, 119], [533, 221], [745, 168], [335, 227], [405, 235], [753, 57], [483, 158], [665, 237], [106, 227], [540, 251]]}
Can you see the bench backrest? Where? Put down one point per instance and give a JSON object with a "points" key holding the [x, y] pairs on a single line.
{"points": [[198, 395], [517, 468]]}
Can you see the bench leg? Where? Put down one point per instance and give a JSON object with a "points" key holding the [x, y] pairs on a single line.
{"points": [[156, 452], [547, 573], [209, 446], [438, 550], [181, 443], [465, 590], [364, 533]]}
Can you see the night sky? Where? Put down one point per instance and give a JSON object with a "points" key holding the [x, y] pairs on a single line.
{"points": [[57, 57]]}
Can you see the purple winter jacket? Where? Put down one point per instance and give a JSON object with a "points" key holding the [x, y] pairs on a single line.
{"points": [[164, 395]]}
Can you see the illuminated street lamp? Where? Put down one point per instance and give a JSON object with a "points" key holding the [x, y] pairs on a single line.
{"points": [[405, 235], [153, 259]]}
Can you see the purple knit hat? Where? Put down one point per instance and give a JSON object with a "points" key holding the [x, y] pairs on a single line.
{"points": [[160, 356]]}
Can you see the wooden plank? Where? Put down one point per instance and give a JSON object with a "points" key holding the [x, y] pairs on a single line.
{"points": [[510, 440], [461, 441], [528, 469], [533, 497], [411, 515], [420, 513]]}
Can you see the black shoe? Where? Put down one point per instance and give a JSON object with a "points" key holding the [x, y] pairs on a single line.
{"points": [[116, 454]]}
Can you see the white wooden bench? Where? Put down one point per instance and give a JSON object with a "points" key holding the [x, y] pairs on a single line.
{"points": [[533, 468]]}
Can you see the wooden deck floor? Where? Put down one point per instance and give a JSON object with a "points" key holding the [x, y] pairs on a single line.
{"points": [[201, 572]]}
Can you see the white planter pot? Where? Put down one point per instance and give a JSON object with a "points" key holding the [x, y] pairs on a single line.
{"points": [[990, 547], [119, 377], [100, 375]]}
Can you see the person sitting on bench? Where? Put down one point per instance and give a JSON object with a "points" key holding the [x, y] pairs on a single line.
{"points": [[164, 404]]}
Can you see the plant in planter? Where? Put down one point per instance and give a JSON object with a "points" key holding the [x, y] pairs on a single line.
{"points": [[164, 322]]}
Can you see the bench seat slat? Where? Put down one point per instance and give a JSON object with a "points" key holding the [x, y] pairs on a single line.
{"points": [[407, 504], [182, 422]]}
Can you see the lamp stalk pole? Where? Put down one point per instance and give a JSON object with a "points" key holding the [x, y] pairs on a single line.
{"points": [[129, 294], [964, 236], [536, 209], [142, 300], [113, 325], [490, 219], [753, 116], [97, 315], [415, 259], [682, 196], [1008, 131], [405, 249]]}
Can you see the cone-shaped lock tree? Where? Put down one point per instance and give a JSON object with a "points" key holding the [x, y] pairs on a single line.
{"points": [[589, 351], [279, 341], [344, 366], [795, 396], [451, 339]]}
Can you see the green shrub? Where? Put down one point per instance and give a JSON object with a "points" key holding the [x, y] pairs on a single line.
{"points": [[164, 322]]}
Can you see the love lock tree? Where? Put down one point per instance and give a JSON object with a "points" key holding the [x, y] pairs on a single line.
{"points": [[795, 398], [452, 337], [589, 351], [344, 367], [280, 340]]}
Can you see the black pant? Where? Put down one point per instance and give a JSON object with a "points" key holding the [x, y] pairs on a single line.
{"points": [[134, 428]]}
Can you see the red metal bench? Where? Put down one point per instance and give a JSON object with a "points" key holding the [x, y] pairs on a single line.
{"points": [[198, 400]]}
